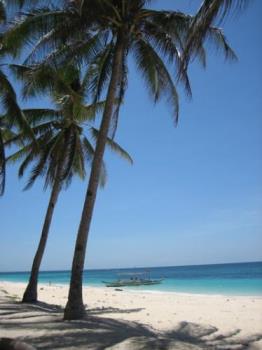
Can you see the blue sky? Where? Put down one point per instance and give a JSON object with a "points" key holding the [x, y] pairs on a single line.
{"points": [[193, 194]]}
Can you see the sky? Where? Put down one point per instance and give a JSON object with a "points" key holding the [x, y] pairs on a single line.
{"points": [[193, 194]]}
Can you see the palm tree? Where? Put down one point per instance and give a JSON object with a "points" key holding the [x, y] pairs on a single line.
{"points": [[9, 107], [5, 133], [102, 33], [152, 37], [15, 121], [8, 101], [63, 146]]}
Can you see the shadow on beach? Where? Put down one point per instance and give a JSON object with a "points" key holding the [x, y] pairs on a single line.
{"points": [[41, 326]]}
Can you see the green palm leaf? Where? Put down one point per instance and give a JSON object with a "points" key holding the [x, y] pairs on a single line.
{"points": [[208, 13], [156, 75], [2, 12], [2, 165], [34, 24], [113, 146]]}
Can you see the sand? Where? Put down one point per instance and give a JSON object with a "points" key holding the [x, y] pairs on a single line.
{"points": [[132, 320]]}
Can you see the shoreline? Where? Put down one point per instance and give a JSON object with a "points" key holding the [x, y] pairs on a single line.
{"points": [[66, 285]]}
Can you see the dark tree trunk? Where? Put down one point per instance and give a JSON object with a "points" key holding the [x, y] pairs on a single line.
{"points": [[30, 294], [75, 308]]}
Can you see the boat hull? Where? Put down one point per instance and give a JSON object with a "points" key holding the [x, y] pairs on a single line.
{"points": [[132, 283]]}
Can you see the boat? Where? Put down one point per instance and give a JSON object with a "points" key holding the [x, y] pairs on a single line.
{"points": [[127, 283], [134, 280]]}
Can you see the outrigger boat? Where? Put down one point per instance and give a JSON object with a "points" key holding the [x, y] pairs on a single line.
{"points": [[134, 281]]}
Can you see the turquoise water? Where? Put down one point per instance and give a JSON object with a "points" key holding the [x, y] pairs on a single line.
{"points": [[226, 279]]}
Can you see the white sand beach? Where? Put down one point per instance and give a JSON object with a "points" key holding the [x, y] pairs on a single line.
{"points": [[132, 320]]}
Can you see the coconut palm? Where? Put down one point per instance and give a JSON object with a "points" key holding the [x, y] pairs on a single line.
{"points": [[9, 103], [9, 107], [153, 38], [62, 145], [5, 133], [13, 119], [101, 33]]}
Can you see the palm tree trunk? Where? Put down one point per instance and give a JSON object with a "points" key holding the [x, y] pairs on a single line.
{"points": [[75, 308], [30, 294]]}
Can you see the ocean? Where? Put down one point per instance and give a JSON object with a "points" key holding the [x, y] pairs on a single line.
{"points": [[223, 279]]}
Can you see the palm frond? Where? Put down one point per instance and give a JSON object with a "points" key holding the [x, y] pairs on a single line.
{"points": [[37, 79], [98, 74], [2, 165], [9, 102], [156, 75], [2, 12], [76, 51], [40, 167], [217, 38], [79, 161], [201, 56], [31, 26], [115, 147], [209, 12], [168, 45], [90, 111], [88, 149], [25, 163], [9, 135], [47, 129], [18, 155], [34, 116]]}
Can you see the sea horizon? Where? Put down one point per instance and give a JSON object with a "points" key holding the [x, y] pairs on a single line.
{"points": [[137, 267], [241, 278]]}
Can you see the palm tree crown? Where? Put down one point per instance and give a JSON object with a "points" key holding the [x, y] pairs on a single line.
{"points": [[60, 132], [86, 32]]}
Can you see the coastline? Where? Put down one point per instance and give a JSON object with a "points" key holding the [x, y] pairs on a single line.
{"points": [[159, 311], [135, 290], [228, 279]]}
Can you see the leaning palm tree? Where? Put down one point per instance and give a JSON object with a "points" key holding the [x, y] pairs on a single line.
{"points": [[101, 33], [153, 38], [62, 145]]}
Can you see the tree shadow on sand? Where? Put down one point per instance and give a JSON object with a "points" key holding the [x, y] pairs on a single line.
{"points": [[41, 325], [111, 310]]}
